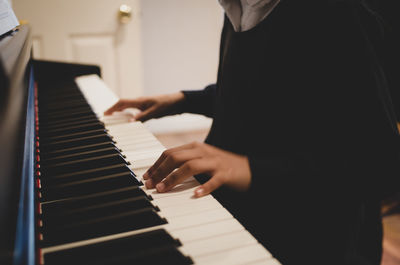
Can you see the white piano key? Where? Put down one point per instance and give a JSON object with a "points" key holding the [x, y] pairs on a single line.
{"points": [[150, 143], [132, 136], [181, 222], [183, 198], [115, 119], [139, 141], [218, 244], [188, 209], [116, 115], [154, 151], [92, 85], [183, 191], [139, 172], [141, 154], [132, 125], [236, 256], [208, 230], [143, 163], [265, 262]]}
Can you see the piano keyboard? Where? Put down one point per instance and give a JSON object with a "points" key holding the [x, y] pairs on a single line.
{"points": [[93, 207]]}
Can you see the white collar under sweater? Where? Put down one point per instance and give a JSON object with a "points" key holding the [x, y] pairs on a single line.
{"points": [[246, 14]]}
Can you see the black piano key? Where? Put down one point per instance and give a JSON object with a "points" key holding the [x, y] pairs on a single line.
{"points": [[62, 95], [72, 129], [109, 207], [70, 95], [63, 90], [64, 100], [68, 124], [73, 123], [80, 165], [79, 155], [92, 172], [62, 108], [154, 256], [103, 226], [123, 174], [73, 135], [70, 136], [65, 106], [92, 200], [54, 122], [96, 139], [66, 115], [87, 175], [80, 188], [48, 122], [126, 248], [45, 99], [77, 149], [65, 109], [71, 142], [97, 211]]}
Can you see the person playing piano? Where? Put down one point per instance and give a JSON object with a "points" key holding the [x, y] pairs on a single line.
{"points": [[303, 145]]}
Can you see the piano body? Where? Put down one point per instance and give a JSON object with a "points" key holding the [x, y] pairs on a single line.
{"points": [[70, 179]]}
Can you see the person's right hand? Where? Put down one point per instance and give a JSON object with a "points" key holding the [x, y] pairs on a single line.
{"points": [[150, 107]]}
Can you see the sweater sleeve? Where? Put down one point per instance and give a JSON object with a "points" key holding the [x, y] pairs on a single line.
{"points": [[200, 101], [276, 177], [391, 50]]}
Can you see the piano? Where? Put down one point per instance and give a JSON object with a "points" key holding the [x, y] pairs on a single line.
{"points": [[71, 189]]}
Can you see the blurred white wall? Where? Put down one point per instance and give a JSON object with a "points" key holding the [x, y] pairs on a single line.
{"points": [[180, 42]]}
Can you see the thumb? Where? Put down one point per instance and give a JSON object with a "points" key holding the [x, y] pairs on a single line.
{"points": [[120, 105], [123, 104], [208, 187], [145, 115]]}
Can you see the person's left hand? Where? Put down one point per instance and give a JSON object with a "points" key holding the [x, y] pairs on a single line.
{"points": [[225, 168]]}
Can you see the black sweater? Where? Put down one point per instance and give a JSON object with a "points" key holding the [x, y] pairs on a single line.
{"points": [[305, 96]]}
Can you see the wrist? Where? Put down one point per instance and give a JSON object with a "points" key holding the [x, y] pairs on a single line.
{"points": [[179, 97], [177, 102]]}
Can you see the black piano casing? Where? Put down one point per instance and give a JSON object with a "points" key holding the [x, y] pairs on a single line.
{"points": [[18, 73]]}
